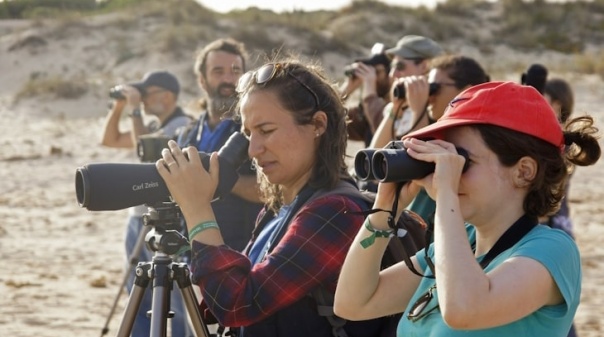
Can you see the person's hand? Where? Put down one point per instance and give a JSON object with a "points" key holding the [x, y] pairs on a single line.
{"points": [[118, 104], [133, 96], [351, 84], [367, 75], [190, 185], [384, 199], [417, 92], [448, 164]]}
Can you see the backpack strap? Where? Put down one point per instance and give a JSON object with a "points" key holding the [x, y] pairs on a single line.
{"points": [[324, 300], [407, 244], [400, 249]]}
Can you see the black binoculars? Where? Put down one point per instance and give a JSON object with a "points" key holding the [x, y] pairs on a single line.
{"points": [[400, 92], [393, 164]]}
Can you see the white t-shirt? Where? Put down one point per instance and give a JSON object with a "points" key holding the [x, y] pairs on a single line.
{"points": [[403, 124]]}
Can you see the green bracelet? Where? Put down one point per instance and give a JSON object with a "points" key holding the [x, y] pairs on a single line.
{"points": [[200, 227], [375, 233]]}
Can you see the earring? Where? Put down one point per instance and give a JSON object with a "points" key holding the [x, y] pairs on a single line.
{"points": [[317, 134]]}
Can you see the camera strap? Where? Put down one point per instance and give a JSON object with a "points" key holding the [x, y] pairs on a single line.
{"points": [[176, 114], [508, 239], [419, 119], [194, 136]]}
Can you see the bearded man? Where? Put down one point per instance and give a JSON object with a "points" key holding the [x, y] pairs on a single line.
{"points": [[218, 67]]}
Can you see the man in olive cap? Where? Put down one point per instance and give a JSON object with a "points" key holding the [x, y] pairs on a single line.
{"points": [[410, 59], [415, 47]]}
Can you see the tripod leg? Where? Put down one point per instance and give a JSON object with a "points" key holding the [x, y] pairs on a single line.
{"points": [[162, 285], [133, 261], [183, 279], [114, 306], [141, 282]]}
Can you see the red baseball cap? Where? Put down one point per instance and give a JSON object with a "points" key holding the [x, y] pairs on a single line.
{"points": [[507, 104]]}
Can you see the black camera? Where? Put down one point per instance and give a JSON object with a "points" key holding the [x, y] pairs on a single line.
{"points": [[349, 71], [399, 90], [113, 186], [392, 163], [149, 147], [378, 56], [116, 92]]}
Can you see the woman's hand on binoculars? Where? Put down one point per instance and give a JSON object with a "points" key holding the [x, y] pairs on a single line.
{"points": [[190, 185], [385, 198], [448, 164]]}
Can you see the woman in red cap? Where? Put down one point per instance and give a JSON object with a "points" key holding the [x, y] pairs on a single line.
{"points": [[503, 275]]}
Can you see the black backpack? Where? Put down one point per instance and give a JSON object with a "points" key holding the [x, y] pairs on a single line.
{"points": [[412, 236]]}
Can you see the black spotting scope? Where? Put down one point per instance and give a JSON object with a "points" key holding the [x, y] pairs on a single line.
{"points": [[393, 164], [113, 186]]}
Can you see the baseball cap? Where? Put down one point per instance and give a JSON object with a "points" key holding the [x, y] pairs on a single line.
{"points": [[375, 60], [162, 79], [378, 56], [506, 104], [415, 47]]}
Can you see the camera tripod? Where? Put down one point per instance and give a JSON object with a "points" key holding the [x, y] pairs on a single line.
{"points": [[164, 240]]}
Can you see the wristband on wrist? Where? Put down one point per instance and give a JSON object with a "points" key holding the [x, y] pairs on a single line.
{"points": [[200, 227], [375, 233]]}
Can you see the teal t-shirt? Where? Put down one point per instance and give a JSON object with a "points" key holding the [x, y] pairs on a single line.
{"points": [[423, 205], [551, 247]]}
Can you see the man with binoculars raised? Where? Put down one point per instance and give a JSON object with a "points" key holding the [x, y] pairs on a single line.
{"points": [[157, 93]]}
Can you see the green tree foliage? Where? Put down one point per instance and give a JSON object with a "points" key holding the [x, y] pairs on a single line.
{"points": [[19, 9]]}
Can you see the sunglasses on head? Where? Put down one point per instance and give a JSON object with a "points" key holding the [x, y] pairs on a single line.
{"points": [[266, 73]]}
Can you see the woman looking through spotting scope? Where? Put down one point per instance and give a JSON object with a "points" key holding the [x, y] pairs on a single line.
{"points": [[295, 123]]}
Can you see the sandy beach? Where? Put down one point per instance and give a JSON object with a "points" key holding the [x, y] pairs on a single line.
{"points": [[62, 265]]}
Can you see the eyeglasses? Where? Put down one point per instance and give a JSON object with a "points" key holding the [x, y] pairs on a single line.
{"points": [[401, 66], [445, 84], [147, 94], [266, 73], [417, 311], [436, 86]]}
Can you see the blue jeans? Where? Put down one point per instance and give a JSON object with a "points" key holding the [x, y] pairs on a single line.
{"points": [[142, 323]]}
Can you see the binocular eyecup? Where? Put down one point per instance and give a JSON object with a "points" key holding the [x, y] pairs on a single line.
{"points": [[393, 164]]}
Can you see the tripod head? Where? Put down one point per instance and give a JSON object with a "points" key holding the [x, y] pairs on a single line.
{"points": [[165, 237]]}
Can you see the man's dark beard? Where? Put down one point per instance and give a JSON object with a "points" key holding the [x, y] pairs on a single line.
{"points": [[223, 105]]}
